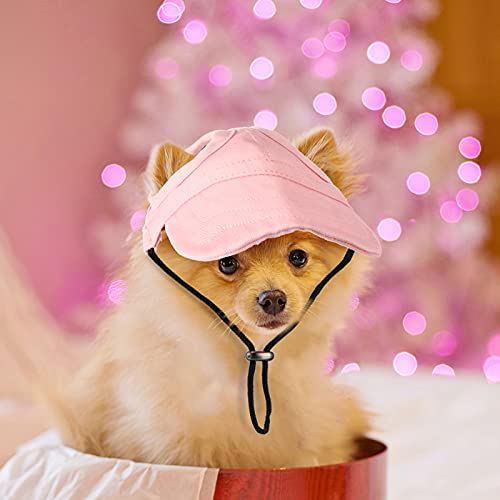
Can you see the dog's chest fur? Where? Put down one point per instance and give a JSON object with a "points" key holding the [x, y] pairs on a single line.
{"points": [[177, 402]]}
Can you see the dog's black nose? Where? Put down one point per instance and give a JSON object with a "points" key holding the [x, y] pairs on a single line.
{"points": [[272, 301]]}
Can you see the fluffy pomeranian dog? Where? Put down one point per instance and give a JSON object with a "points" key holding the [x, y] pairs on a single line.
{"points": [[166, 383]]}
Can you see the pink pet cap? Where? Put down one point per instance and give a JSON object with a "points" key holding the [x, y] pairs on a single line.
{"points": [[246, 185]]}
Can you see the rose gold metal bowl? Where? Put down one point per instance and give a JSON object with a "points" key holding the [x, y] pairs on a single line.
{"points": [[361, 479]]}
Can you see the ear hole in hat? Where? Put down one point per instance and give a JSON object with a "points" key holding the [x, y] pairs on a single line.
{"points": [[164, 161], [320, 147]]}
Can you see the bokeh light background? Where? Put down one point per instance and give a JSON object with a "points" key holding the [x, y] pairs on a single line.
{"points": [[363, 68]]}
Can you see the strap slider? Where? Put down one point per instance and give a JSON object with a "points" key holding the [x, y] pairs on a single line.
{"points": [[259, 356]]}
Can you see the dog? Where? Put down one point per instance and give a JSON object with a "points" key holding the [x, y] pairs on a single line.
{"points": [[166, 381]]}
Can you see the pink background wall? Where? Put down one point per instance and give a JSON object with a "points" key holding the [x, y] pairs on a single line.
{"points": [[68, 72]]}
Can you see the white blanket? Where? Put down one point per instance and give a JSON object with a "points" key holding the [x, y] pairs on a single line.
{"points": [[443, 433]]}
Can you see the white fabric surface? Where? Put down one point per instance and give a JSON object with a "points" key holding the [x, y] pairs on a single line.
{"points": [[443, 433], [43, 469]]}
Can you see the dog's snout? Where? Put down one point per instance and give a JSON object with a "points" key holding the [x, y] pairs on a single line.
{"points": [[272, 301]]}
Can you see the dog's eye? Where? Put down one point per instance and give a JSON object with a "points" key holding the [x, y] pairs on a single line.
{"points": [[298, 258], [228, 265]]}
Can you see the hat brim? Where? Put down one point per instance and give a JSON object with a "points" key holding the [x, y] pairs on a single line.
{"points": [[256, 208], [259, 207]]}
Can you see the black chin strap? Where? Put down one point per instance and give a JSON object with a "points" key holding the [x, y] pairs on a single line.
{"points": [[253, 355]]}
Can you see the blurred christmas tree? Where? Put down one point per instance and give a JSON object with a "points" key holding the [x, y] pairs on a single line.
{"points": [[363, 68]]}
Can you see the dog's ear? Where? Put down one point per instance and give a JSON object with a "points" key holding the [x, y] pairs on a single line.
{"points": [[320, 147], [164, 161]]}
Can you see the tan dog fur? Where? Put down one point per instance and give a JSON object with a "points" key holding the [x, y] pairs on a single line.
{"points": [[167, 381]]}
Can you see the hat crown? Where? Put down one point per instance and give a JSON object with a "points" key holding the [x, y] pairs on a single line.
{"points": [[246, 151]]}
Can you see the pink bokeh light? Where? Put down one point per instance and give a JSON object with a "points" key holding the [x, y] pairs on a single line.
{"points": [[469, 172], [491, 368], [444, 343], [313, 48], [412, 60], [330, 365], [414, 323], [443, 370], [394, 116], [494, 345], [405, 364], [426, 124], [166, 68], [169, 12], [311, 4], [418, 183], [195, 31], [220, 75], [266, 119], [470, 147], [467, 199], [113, 175], [450, 212], [340, 26], [354, 301], [324, 67], [137, 220], [264, 9], [325, 104], [393, 1], [351, 368], [261, 68], [373, 98], [378, 52], [335, 41], [117, 291], [389, 229]]}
